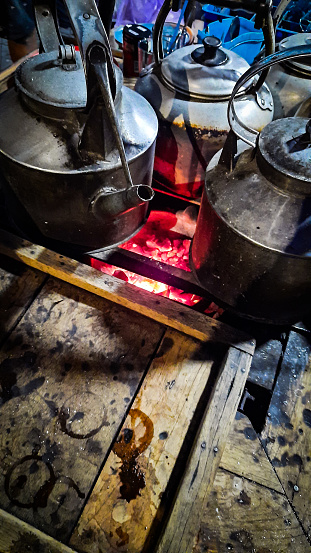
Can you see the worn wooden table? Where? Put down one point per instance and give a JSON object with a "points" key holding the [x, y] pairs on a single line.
{"points": [[120, 431]]}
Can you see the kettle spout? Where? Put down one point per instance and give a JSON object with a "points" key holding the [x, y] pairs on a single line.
{"points": [[109, 204], [138, 194]]}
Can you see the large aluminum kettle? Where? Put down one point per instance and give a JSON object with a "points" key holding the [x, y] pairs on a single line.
{"points": [[290, 81], [76, 147], [252, 244], [189, 90]]}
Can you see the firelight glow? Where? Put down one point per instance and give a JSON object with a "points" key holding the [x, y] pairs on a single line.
{"points": [[156, 240]]}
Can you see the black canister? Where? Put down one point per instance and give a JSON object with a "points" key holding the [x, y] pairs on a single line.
{"points": [[132, 34]]}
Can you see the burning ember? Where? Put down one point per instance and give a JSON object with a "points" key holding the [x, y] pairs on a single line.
{"points": [[157, 240], [166, 238]]}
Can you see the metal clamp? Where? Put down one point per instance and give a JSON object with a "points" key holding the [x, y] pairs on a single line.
{"points": [[67, 55]]}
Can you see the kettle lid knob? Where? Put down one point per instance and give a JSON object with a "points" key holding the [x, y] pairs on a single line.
{"points": [[211, 54], [211, 45]]}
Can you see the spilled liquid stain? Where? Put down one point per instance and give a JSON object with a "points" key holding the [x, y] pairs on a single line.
{"points": [[72, 484], [26, 543], [287, 460], [124, 537], [128, 448], [282, 441], [66, 421], [250, 433], [165, 347], [13, 485], [244, 499], [16, 481]]}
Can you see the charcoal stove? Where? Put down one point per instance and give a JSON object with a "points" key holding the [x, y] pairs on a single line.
{"points": [[141, 261]]}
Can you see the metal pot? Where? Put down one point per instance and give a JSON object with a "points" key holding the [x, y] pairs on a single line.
{"points": [[290, 81], [252, 244], [68, 135], [189, 91]]}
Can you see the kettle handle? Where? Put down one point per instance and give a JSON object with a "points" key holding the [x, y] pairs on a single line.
{"points": [[247, 134], [158, 30]]}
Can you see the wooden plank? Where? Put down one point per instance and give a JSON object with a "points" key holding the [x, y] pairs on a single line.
{"points": [[245, 456], [287, 435], [182, 526], [126, 498], [243, 517], [68, 374], [158, 308], [17, 536], [18, 285]]}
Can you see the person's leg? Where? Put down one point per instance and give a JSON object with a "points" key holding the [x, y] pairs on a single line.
{"points": [[18, 50], [19, 27]]}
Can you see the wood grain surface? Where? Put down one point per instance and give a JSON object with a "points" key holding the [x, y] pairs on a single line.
{"points": [[243, 517], [68, 374], [125, 502], [16, 536], [287, 435], [245, 456], [158, 308], [183, 524]]}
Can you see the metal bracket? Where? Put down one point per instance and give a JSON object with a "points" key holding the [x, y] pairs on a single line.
{"points": [[67, 55]]}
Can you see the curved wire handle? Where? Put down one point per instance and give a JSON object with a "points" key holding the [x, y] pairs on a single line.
{"points": [[247, 134], [261, 9]]}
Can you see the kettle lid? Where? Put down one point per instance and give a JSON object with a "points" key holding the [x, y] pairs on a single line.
{"points": [[284, 154], [204, 72], [299, 39], [45, 80]]}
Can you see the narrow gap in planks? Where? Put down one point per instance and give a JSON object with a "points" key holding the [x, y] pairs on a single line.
{"points": [[288, 498], [119, 428], [252, 481], [184, 454], [263, 442], [278, 370]]}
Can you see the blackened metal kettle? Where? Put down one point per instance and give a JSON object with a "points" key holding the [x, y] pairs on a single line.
{"points": [[252, 245], [73, 139]]}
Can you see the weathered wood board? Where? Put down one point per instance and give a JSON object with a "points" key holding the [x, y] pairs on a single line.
{"points": [[126, 498], [195, 485], [287, 435], [16, 536], [245, 456], [158, 308], [243, 517], [68, 373], [18, 286]]}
